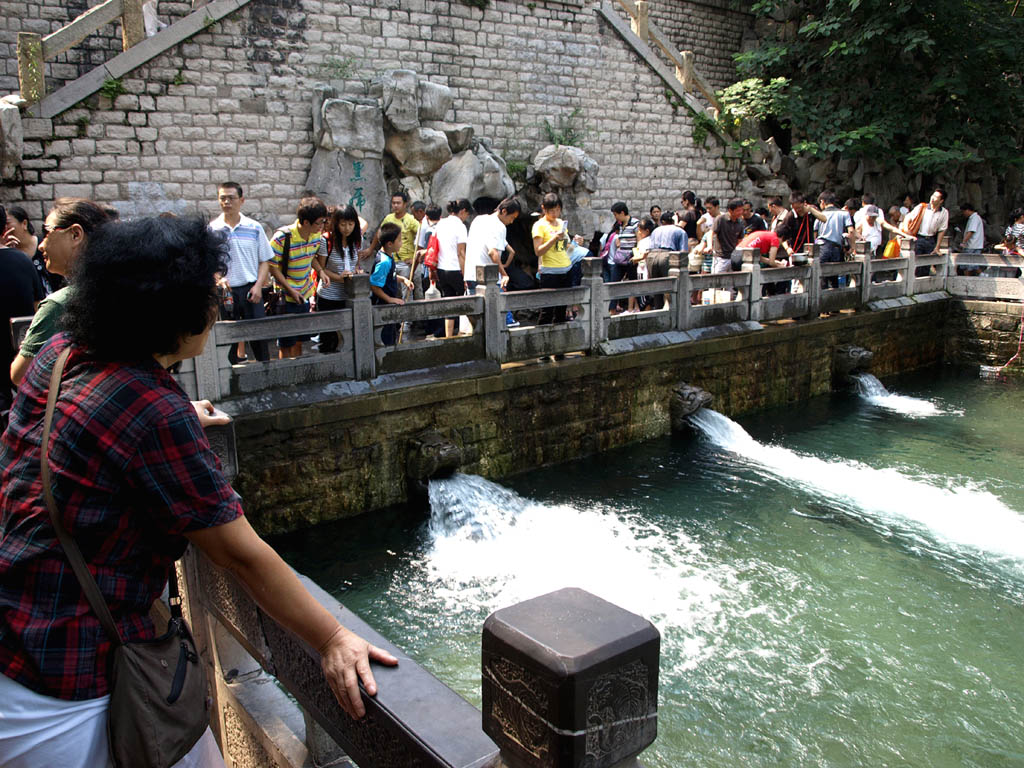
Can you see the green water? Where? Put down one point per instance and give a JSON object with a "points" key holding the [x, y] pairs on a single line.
{"points": [[841, 587]]}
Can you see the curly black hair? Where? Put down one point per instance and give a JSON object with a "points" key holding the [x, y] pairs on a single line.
{"points": [[143, 285]]}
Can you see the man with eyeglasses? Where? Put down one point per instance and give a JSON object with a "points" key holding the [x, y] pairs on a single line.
{"points": [[249, 266]]}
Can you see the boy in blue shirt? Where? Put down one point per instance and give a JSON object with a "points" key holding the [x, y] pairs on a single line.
{"points": [[384, 279]]}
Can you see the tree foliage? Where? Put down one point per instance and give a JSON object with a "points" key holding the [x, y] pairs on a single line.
{"points": [[928, 83]]}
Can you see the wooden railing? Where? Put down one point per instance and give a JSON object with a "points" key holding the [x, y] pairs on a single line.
{"points": [[35, 50], [686, 72]]}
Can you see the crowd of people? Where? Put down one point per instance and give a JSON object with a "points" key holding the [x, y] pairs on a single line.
{"points": [[417, 252]]}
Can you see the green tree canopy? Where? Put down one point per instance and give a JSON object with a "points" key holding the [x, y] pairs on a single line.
{"points": [[928, 83]]}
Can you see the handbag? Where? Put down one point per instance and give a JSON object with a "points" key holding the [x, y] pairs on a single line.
{"points": [[892, 249], [913, 222], [158, 696], [275, 300], [432, 253]]}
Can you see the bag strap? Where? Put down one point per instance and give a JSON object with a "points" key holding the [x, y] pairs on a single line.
{"points": [[287, 252], [85, 579]]}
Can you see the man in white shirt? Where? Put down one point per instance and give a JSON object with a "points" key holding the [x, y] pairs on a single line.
{"points": [[487, 240], [485, 244], [974, 230], [932, 233], [249, 265]]}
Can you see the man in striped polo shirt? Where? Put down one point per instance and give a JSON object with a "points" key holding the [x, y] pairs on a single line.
{"points": [[249, 266], [303, 240]]}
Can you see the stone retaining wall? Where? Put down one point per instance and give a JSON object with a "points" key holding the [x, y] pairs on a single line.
{"points": [[320, 462], [984, 333], [235, 102]]}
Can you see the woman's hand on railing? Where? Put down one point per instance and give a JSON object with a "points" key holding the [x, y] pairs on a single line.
{"points": [[345, 660], [208, 415]]}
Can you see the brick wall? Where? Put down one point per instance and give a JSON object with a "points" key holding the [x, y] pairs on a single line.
{"points": [[235, 102]]}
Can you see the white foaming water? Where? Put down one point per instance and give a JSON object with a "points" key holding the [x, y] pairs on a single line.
{"points": [[955, 516], [872, 390], [492, 548]]}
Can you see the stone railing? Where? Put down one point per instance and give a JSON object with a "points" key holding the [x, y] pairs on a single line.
{"points": [[549, 699], [734, 298]]}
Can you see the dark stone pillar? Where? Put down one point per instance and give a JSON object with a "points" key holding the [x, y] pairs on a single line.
{"points": [[570, 680]]}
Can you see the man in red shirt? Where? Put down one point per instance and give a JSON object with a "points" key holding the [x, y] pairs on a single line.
{"points": [[767, 244]]}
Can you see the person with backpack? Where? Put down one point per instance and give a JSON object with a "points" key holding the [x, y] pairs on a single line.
{"points": [[292, 266], [385, 283]]}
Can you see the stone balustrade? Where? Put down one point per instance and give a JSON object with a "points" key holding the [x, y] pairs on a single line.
{"points": [[734, 300], [736, 303], [568, 680]]}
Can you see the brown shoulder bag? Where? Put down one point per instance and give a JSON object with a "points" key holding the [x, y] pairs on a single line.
{"points": [[913, 223], [158, 699]]}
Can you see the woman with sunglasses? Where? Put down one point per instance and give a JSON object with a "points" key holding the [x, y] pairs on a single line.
{"points": [[134, 481], [65, 233]]}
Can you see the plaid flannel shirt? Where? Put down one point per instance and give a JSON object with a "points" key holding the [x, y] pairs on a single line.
{"points": [[132, 472]]}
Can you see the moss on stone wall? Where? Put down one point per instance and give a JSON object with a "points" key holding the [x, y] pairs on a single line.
{"points": [[321, 462]]}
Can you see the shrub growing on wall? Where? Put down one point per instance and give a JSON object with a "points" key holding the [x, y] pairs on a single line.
{"points": [[929, 83]]}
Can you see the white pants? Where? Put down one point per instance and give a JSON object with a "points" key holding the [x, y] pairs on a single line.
{"points": [[37, 730]]}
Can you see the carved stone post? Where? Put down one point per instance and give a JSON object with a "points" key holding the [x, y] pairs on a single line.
{"points": [[681, 301], [907, 252], [752, 264], [597, 309], [864, 281], [30, 67], [208, 370], [570, 680], [813, 287], [641, 22], [685, 73], [487, 277], [133, 30], [357, 291]]}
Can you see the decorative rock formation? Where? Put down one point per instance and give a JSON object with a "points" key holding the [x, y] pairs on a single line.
{"points": [[685, 400], [434, 101], [401, 98], [477, 172], [348, 165], [420, 151], [459, 134], [430, 455], [390, 133], [572, 174], [848, 359]]}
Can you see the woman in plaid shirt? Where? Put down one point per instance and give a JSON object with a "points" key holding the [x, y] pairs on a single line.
{"points": [[136, 481]]}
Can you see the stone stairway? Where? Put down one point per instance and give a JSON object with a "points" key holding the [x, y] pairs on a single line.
{"points": [[119, 66]]}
